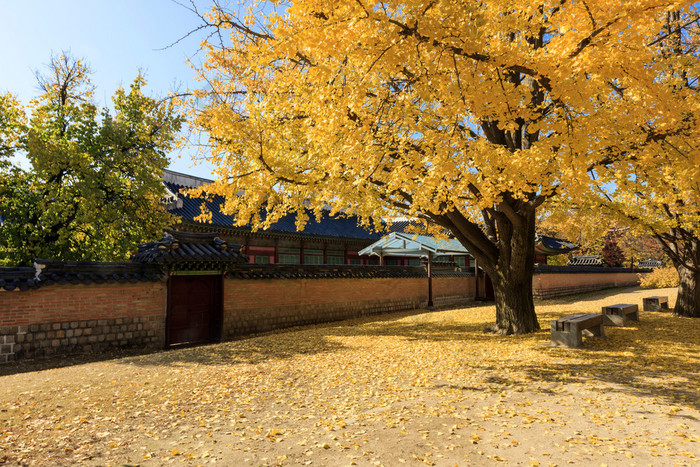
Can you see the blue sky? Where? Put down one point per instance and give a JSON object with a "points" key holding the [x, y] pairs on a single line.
{"points": [[115, 37]]}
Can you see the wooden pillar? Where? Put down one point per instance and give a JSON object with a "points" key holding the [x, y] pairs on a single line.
{"points": [[430, 279]]}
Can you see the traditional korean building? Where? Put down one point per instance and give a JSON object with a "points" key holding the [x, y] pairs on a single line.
{"points": [[330, 240]]}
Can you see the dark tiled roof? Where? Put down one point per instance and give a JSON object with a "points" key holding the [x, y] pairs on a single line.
{"points": [[59, 272], [189, 250], [187, 208], [289, 271], [48, 272], [21, 278], [88, 272], [407, 226], [552, 245], [341, 227]]}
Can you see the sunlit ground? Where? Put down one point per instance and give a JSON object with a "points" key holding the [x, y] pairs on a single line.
{"points": [[406, 388]]}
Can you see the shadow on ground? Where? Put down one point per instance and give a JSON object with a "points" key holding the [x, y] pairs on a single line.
{"points": [[55, 362], [656, 357]]}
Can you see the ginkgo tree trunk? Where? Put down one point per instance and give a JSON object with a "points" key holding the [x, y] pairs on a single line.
{"points": [[685, 255], [467, 114]]}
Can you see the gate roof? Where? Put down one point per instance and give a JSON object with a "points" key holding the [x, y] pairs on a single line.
{"points": [[190, 251]]}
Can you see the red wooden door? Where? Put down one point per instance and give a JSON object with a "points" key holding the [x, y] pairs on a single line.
{"points": [[194, 309]]}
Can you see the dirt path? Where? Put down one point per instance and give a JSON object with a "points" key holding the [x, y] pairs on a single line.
{"points": [[412, 388]]}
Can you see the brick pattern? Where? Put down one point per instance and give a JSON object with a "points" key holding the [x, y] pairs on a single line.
{"points": [[252, 306], [60, 303], [46, 339], [251, 321], [556, 285], [81, 318]]}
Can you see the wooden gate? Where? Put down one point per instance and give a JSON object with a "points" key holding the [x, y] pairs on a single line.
{"points": [[194, 309]]}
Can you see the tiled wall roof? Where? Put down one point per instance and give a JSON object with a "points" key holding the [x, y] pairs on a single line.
{"points": [[289, 271], [18, 278], [75, 272], [189, 250]]}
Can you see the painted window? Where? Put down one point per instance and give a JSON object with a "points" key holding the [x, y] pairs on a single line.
{"points": [[289, 255], [313, 259], [313, 256]]}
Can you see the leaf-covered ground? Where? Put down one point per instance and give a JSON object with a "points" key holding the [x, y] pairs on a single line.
{"points": [[410, 388]]}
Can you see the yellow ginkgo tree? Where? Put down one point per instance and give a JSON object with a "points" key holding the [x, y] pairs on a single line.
{"points": [[665, 201], [467, 114], [655, 189], [661, 192]]}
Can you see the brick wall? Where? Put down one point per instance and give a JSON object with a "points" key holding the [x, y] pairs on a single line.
{"points": [[87, 318], [81, 318], [262, 305], [548, 285]]}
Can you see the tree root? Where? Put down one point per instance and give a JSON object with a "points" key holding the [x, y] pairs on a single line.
{"points": [[504, 331], [495, 329]]}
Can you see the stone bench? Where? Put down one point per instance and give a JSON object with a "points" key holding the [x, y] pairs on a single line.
{"points": [[656, 303], [620, 314], [568, 331]]}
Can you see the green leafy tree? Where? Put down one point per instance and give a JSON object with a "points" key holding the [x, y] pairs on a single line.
{"points": [[12, 127], [94, 189]]}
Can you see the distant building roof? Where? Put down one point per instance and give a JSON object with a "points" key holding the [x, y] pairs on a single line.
{"points": [[187, 208], [407, 244], [590, 260], [650, 263], [401, 244], [553, 246], [347, 227]]}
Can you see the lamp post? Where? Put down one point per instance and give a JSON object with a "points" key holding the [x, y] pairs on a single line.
{"points": [[430, 279]]}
